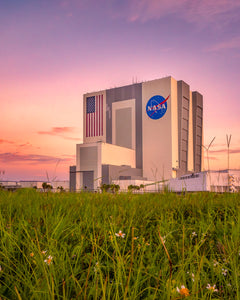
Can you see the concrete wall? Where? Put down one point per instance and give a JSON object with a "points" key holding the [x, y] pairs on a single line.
{"points": [[91, 157], [118, 156], [157, 134], [88, 158]]}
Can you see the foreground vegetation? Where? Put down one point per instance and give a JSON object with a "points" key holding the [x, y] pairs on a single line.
{"points": [[126, 246]]}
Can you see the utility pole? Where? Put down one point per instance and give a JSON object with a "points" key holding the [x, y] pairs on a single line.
{"points": [[207, 148], [228, 145]]}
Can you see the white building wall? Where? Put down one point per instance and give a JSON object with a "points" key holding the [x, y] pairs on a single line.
{"points": [[157, 134], [117, 156], [189, 184], [98, 154], [88, 162]]}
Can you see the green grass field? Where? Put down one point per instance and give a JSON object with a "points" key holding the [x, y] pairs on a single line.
{"points": [[126, 246]]}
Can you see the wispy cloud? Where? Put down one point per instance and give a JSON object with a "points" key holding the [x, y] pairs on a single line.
{"points": [[10, 157], [61, 132], [57, 130], [233, 43], [5, 142], [224, 151], [202, 12]]}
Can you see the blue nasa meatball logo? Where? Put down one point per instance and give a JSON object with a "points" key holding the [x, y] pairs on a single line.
{"points": [[156, 107]]}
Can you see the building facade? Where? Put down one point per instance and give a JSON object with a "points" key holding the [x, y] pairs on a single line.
{"points": [[149, 131]]}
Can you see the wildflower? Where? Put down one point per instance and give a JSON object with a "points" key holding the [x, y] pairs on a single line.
{"points": [[193, 276], [48, 261], [194, 234], [96, 268], [215, 263], [44, 252], [31, 254], [0, 268], [135, 237], [183, 291], [224, 271], [211, 288], [120, 234], [164, 239]]}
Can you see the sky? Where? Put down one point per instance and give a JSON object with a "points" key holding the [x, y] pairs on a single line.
{"points": [[52, 52]]}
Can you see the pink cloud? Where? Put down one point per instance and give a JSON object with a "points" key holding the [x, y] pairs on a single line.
{"points": [[231, 151], [60, 131], [25, 145], [57, 130], [5, 142], [11, 157]]}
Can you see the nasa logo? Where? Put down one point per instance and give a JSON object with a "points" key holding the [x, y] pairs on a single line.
{"points": [[156, 107]]}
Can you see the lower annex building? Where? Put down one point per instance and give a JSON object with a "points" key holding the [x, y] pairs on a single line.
{"points": [[149, 131]]}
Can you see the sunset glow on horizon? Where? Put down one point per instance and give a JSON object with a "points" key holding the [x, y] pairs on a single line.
{"points": [[52, 52]]}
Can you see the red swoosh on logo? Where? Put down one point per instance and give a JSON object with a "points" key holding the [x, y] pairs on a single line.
{"points": [[160, 104]]}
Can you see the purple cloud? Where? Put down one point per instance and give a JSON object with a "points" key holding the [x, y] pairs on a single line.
{"points": [[10, 157], [200, 12]]}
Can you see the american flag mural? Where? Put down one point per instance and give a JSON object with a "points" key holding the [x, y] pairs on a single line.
{"points": [[94, 116]]}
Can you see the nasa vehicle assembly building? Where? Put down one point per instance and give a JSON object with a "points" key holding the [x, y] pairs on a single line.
{"points": [[146, 131]]}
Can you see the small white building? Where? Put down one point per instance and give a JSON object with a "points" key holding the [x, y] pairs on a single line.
{"points": [[209, 181]]}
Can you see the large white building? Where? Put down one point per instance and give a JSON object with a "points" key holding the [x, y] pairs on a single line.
{"points": [[149, 131]]}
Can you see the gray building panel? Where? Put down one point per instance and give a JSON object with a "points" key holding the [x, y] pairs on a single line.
{"points": [[197, 100], [111, 172], [124, 127], [183, 125], [88, 156], [133, 91], [88, 177], [72, 178], [105, 174]]}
